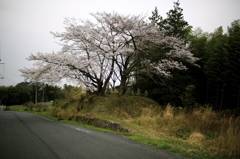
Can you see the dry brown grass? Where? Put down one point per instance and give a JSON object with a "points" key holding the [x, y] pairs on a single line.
{"points": [[228, 141], [196, 138], [200, 126]]}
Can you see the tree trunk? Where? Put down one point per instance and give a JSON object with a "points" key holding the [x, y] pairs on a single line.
{"points": [[36, 94], [238, 98], [100, 90], [221, 104], [216, 98], [113, 85], [123, 86], [106, 83], [207, 93]]}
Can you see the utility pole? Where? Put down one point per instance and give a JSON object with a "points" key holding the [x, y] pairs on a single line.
{"points": [[2, 70], [35, 93], [42, 97], [42, 88], [1, 64]]}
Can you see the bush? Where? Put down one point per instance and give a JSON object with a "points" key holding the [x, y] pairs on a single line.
{"points": [[28, 106], [40, 107]]}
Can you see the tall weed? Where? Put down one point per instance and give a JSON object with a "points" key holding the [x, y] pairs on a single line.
{"points": [[199, 126], [228, 141]]}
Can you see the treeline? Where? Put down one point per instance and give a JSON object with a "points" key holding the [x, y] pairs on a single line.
{"points": [[216, 80], [24, 92]]}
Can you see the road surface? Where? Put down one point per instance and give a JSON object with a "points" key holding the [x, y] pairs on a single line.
{"points": [[28, 136]]}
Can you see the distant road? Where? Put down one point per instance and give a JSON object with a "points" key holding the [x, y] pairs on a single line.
{"points": [[27, 136], [2, 107]]}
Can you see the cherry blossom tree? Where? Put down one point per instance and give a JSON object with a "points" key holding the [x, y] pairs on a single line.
{"points": [[112, 46], [138, 37], [86, 56]]}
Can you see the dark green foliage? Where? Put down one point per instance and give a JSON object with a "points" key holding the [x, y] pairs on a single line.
{"points": [[188, 97], [15, 95], [217, 79], [46, 93], [234, 58], [167, 89], [174, 24], [222, 68], [24, 92], [217, 67]]}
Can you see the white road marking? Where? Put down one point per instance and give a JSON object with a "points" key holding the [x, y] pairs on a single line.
{"points": [[44, 118], [82, 130]]}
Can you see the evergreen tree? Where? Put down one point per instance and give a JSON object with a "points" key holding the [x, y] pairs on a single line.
{"points": [[198, 46], [156, 18], [234, 53], [171, 89], [217, 68], [174, 24]]}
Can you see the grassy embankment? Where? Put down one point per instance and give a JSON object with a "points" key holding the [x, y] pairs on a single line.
{"points": [[197, 133]]}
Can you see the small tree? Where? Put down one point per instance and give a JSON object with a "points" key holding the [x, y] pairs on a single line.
{"points": [[188, 97]]}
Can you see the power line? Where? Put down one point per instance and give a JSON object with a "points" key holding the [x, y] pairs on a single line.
{"points": [[2, 73], [0, 53], [0, 50], [2, 70], [9, 80]]}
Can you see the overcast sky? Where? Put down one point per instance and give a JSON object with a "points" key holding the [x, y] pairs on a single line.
{"points": [[25, 25]]}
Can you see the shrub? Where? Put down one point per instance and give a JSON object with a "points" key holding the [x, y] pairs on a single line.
{"points": [[40, 107], [28, 106]]}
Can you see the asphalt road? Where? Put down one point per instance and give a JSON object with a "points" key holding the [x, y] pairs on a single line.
{"points": [[28, 136]]}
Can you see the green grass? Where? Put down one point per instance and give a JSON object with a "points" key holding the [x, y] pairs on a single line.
{"points": [[176, 146], [15, 108]]}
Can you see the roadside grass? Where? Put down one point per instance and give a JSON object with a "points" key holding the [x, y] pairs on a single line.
{"points": [[176, 146], [46, 115], [198, 132], [19, 108]]}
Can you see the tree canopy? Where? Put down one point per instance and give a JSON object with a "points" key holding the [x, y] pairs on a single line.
{"points": [[113, 44], [166, 58]]}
